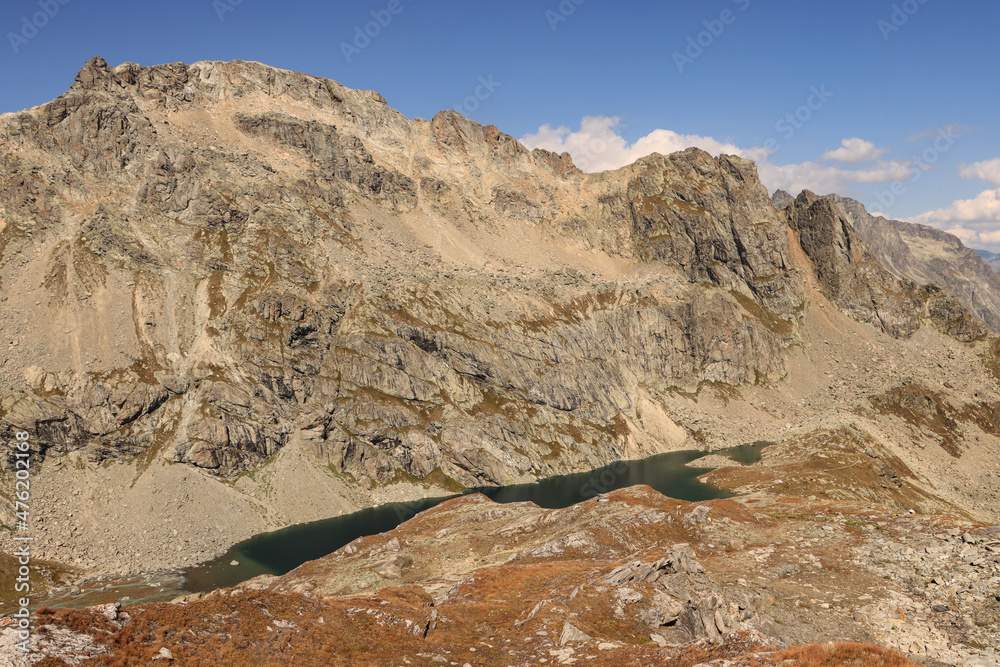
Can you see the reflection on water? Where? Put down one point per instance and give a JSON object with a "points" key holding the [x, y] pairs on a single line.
{"points": [[283, 550], [746, 454]]}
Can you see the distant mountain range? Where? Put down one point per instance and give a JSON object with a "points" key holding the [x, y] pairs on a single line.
{"points": [[992, 258]]}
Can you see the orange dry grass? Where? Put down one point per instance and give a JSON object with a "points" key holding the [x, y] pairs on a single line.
{"points": [[841, 655], [240, 630], [743, 652]]}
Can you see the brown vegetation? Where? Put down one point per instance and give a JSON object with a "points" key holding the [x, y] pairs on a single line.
{"points": [[839, 655]]}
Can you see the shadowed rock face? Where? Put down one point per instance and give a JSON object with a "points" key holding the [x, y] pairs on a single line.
{"points": [[205, 263], [991, 258], [929, 256], [923, 255], [853, 279]]}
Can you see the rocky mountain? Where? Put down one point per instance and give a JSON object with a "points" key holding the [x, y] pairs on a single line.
{"points": [[924, 255], [228, 285], [863, 286], [782, 199], [294, 286]]}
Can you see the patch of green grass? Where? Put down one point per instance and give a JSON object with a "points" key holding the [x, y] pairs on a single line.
{"points": [[435, 479], [924, 409], [342, 474], [44, 575]]}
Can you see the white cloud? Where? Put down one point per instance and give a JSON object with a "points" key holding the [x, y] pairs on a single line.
{"points": [[976, 221], [985, 207], [984, 239], [957, 129], [966, 235], [824, 179], [855, 150], [596, 146], [988, 170]]}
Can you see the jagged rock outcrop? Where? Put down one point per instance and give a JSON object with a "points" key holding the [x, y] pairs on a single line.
{"points": [[234, 257], [782, 199], [929, 256], [923, 255], [853, 279], [847, 274]]}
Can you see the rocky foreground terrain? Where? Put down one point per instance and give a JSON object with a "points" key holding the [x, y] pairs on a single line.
{"points": [[235, 298], [629, 578]]}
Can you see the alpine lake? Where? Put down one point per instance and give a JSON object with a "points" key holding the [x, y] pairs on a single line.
{"points": [[283, 550]]}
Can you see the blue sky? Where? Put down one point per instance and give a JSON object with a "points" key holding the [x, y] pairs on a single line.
{"points": [[853, 96]]}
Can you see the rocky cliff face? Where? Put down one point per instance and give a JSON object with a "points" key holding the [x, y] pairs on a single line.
{"points": [[929, 256], [242, 256], [853, 279], [211, 264], [923, 255]]}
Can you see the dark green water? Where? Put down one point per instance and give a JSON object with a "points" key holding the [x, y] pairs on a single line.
{"points": [[285, 549]]}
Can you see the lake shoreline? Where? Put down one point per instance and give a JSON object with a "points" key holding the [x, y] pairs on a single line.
{"points": [[220, 572]]}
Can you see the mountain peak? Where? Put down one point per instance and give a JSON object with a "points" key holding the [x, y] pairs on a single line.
{"points": [[93, 74], [782, 199]]}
